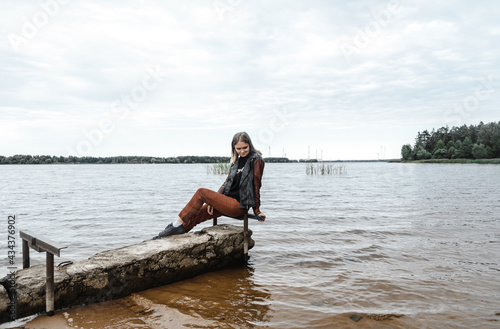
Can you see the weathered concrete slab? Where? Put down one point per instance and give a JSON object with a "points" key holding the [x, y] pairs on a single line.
{"points": [[4, 303], [117, 273]]}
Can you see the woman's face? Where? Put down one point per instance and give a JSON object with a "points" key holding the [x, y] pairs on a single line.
{"points": [[242, 149]]}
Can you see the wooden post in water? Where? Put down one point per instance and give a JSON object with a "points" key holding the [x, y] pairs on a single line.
{"points": [[245, 231], [49, 285], [245, 237], [26, 254]]}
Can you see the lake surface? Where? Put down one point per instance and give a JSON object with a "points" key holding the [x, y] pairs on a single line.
{"points": [[402, 245]]}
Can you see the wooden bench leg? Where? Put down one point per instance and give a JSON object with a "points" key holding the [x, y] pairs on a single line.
{"points": [[245, 237], [49, 285], [26, 254]]}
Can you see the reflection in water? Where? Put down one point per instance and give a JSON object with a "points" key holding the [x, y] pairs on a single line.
{"points": [[228, 296], [223, 299]]}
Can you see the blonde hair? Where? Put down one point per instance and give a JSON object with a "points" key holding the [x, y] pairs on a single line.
{"points": [[241, 137]]}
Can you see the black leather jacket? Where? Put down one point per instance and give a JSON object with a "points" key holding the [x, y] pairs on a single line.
{"points": [[250, 182]]}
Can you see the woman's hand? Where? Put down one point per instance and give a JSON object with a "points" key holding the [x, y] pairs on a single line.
{"points": [[261, 214], [210, 210]]}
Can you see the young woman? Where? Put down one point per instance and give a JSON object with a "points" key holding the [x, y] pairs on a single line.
{"points": [[240, 191]]}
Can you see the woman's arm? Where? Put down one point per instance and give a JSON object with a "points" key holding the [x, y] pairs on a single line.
{"points": [[258, 169]]}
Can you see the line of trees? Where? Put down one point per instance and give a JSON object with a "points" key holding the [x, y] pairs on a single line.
{"points": [[48, 159], [278, 159], [480, 141]]}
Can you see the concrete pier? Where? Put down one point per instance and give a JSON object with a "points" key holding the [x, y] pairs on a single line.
{"points": [[116, 273]]}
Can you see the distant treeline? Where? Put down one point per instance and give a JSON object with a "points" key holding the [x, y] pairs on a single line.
{"points": [[464, 142], [280, 160], [48, 159]]}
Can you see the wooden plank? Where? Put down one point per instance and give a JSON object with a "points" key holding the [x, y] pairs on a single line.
{"points": [[242, 217], [25, 235], [50, 247], [30, 240], [37, 248], [40, 244]]}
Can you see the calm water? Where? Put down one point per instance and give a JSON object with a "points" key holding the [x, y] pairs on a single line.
{"points": [[402, 245]]}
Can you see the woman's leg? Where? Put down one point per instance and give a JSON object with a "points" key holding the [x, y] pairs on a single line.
{"points": [[196, 212]]}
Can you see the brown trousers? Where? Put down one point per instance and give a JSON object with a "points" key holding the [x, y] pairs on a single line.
{"points": [[195, 211]]}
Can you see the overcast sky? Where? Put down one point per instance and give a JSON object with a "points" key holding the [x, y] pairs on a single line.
{"points": [[330, 79]]}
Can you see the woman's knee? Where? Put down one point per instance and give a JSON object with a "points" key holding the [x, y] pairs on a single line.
{"points": [[201, 191]]}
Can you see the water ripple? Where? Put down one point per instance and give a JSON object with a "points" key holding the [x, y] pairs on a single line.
{"points": [[401, 245]]}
